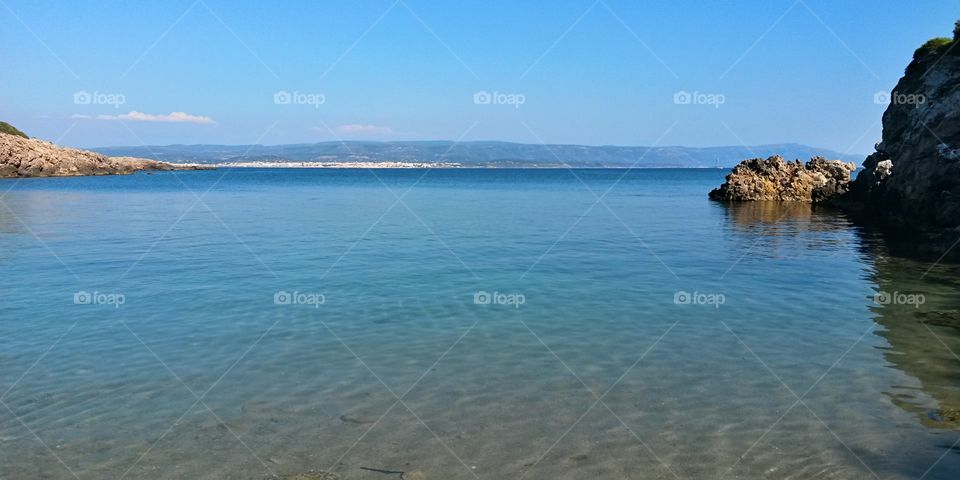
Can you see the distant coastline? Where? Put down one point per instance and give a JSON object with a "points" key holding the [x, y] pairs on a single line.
{"points": [[411, 165], [336, 165], [472, 154]]}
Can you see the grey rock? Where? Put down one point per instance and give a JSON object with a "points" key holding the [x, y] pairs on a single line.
{"points": [[913, 180]]}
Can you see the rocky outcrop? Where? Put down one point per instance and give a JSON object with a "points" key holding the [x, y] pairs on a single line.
{"points": [[25, 157], [913, 178], [776, 179]]}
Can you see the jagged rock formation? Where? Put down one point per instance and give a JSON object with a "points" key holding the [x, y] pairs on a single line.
{"points": [[26, 157], [776, 179], [913, 178]]}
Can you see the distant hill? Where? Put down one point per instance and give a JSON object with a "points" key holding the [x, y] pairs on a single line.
{"points": [[480, 154]]}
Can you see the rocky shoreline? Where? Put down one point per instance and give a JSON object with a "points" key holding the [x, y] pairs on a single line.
{"points": [[911, 182], [22, 157]]}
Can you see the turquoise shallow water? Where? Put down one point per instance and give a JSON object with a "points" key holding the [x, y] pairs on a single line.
{"points": [[463, 324]]}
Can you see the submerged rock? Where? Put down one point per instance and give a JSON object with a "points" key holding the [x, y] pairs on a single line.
{"points": [[311, 475], [913, 178], [27, 157], [348, 418], [789, 181]]}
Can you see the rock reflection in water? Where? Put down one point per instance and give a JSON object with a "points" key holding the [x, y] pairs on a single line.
{"points": [[8, 222], [924, 338], [778, 228]]}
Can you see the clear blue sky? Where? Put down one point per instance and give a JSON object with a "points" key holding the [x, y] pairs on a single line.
{"points": [[589, 72]]}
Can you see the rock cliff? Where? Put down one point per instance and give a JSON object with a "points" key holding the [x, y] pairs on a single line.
{"points": [[913, 178]]}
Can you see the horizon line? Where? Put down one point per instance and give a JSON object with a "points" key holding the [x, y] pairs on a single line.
{"points": [[456, 142]]}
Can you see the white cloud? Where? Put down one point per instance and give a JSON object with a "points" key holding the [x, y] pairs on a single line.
{"points": [[358, 129], [172, 117], [79, 116]]}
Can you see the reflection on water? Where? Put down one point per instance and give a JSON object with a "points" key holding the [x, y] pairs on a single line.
{"points": [[779, 228], [750, 215], [8, 222], [924, 337]]}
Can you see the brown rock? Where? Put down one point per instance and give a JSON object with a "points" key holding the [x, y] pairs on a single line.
{"points": [[311, 475], [776, 179]]}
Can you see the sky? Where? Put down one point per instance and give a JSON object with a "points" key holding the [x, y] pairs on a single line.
{"points": [[595, 72]]}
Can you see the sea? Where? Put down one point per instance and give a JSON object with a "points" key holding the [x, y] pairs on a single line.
{"points": [[444, 324]]}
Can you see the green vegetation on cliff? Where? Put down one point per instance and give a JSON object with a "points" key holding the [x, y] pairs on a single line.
{"points": [[11, 130], [931, 51], [933, 46]]}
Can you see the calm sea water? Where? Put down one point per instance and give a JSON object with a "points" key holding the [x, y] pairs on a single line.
{"points": [[453, 324]]}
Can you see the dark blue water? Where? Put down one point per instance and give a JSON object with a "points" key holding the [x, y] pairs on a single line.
{"points": [[463, 324]]}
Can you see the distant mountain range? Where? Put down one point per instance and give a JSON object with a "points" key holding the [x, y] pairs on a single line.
{"points": [[476, 154]]}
